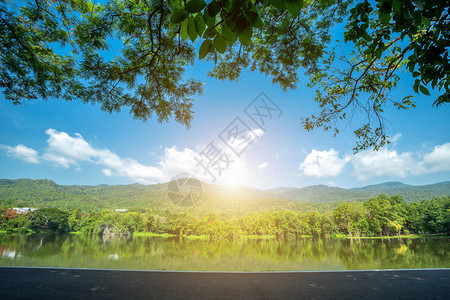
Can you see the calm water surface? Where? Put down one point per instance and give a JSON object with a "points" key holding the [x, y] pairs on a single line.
{"points": [[156, 253]]}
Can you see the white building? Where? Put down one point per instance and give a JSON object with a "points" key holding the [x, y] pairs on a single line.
{"points": [[24, 210]]}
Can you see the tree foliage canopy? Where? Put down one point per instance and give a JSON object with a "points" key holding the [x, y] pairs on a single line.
{"points": [[134, 53], [381, 216], [387, 37]]}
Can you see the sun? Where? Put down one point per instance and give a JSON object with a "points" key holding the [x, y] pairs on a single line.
{"points": [[236, 175]]}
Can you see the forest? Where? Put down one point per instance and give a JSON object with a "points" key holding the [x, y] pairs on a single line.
{"points": [[43, 193], [380, 216]]}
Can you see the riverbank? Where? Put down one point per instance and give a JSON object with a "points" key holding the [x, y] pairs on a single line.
{"points": [[28, 283], [269, 237], [261, 237], [404, 236]]}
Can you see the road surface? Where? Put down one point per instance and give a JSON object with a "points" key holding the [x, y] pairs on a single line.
{"points": [[48, 283]]}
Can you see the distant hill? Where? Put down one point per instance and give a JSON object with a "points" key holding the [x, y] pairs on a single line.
{"points": [[46, 193], [383, 186], [323, 194], [281, 190]]}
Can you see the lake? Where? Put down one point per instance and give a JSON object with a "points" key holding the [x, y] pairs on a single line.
{"points": [[157, 253]]}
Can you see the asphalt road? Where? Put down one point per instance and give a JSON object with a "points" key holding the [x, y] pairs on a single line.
{"points": [[44, 283]]}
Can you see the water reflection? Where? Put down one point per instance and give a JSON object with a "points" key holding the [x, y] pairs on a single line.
{"points": [[7, 253], [224, 255]]}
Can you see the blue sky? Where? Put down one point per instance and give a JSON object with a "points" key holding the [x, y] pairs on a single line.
{"points": [[74, 143]]}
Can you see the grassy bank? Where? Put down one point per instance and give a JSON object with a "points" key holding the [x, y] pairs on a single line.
{"points": [[151, 234], [408, 236]]}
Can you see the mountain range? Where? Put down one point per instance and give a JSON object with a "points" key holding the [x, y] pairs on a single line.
{"points": [[46, 193], [322, 193]]}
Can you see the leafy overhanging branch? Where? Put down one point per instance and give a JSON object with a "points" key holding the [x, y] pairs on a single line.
{"points": [[417, 39], [147, 76], [274, 37], [156, 40]]}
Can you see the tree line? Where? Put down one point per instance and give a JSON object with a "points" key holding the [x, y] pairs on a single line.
{"points": [[381, 216]]}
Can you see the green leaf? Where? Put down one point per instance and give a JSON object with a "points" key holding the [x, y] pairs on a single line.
{"points": [[220, 44], [227, 33], [368, 50], [251, 17], [415, 74], [210, 32], [442, 99], [199, 24], [258, 23], [241, 25], [192, 31], [224, 3], [416, 85], [396, 5], [246, 35], [425, 21], [178, 16], [279, 4], [213, 8], [184, 30], [418, 4], [204, 48], [424, 90], [210, 21], [385, 18], [294, 6], [378, 53], [194, 6]]}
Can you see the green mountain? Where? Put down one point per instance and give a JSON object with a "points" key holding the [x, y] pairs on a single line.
{"points": [[324, 194], [383, 186], [46, 193], [281, 190]]}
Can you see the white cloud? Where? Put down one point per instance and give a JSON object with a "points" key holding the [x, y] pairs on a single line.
{"points": [[66, 151], [263, 166], [396, 137], [237, 171], [240, 141], [225, 168], [323, 164], [174, 162], [130, 168], [258, 132], [436, 161], [370, 164], [59, 160], [107, 172], [383, 163], [22, 152], [75, 147]]}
